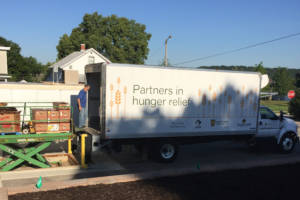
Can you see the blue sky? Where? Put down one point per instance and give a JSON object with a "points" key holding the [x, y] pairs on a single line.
{"points": [[199, 28]]}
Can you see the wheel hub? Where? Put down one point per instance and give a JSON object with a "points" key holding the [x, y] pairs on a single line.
{"points": [[167, 151], [287, 144]]}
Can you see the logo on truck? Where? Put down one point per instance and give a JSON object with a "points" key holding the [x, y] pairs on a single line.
{"points": [[116, 95]]}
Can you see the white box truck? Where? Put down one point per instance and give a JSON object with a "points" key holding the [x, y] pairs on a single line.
{"points": [[162, 107]]}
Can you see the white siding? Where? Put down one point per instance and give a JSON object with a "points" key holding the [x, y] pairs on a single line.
{"points": [[15, 94], [37, 92], [3, 62]]}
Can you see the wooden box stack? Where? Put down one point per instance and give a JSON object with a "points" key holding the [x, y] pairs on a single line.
{"points": [[45, 120], [9, 120], [56, 119], [64, 115]]}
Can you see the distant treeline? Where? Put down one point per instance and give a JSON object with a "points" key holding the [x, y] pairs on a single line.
{"points": [[281, 79], [270, 71]]}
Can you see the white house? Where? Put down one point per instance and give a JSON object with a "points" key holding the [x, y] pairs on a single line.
{"points": [[3, 63], [76, 61]]}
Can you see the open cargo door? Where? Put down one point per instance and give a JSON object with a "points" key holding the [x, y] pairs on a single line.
{"points": [[94, 98]]}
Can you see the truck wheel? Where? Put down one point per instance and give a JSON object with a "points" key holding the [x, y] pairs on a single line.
{"points": [[165, 152], [287, 143]]}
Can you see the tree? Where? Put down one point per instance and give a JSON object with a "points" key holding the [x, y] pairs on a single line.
{"points": [[260, 68], [282, 82], [297, 81], [294, 105], [65, 46], [118, 38], [19, 67]]}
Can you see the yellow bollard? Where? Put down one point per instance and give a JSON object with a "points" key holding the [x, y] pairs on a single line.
{"points": [[83, 136], [69, 146]]}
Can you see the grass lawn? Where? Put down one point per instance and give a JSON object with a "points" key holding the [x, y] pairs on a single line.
{"points": [[276, 106]]}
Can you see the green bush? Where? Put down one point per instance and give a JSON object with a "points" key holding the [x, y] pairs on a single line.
{"points": [[294, 105]]}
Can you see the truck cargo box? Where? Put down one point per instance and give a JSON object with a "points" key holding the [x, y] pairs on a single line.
{"points": [[137, 101]]}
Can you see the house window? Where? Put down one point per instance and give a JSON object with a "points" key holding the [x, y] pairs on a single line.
{"points": [[91, 59]]}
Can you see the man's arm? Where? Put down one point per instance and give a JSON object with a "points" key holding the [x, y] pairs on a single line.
{"points": [[79, 104]]}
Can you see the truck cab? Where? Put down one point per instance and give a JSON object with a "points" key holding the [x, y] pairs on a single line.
{"points": [[279, 128]]}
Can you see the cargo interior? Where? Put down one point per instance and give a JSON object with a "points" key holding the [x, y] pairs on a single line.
{"points": [[94, 99]]}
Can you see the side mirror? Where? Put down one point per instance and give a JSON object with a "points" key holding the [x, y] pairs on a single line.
{"points": [[281, 115]]}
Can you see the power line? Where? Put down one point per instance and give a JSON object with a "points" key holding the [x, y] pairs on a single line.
{"points": [[151, 55], [239, 49], [156, 51]]}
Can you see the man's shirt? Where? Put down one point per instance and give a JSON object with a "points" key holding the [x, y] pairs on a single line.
{"points": [[82, 97]]}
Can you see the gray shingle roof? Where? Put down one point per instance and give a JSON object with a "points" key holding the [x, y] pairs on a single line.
{"points": [[75, 55], [67, 59]]}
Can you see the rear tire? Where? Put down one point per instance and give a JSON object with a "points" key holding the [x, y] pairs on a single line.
{"points": [[164, 152], [287, 143]]}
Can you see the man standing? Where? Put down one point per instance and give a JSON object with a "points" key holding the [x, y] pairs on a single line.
{"points": [[81, 101]]}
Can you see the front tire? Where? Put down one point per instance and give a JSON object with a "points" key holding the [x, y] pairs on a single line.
{"points": [[287, 142], [165, 152]]}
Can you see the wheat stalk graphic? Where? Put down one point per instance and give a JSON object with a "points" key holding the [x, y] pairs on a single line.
{"points": [[214, 98], [199, 92], [242, 106], [229, 102], [199, 95], [203, 104], [111, 103], [242, 103], [118, 97], [237, 96], [125, 92], [224, 104], [220, 101], [209, 101]]}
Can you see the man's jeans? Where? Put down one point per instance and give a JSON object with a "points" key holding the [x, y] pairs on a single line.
{"points": [[82, 117]]}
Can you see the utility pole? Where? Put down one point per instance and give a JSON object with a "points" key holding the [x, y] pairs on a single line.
{"points": [[166, 52]]}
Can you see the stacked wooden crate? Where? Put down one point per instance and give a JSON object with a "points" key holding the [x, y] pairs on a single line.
{"points": [[9, 120], [64, 111], [56, 119]]}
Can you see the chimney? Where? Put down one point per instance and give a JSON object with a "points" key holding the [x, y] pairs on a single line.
{"points": [[82, 47]]}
